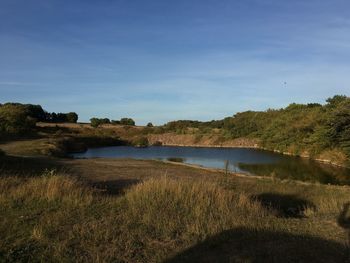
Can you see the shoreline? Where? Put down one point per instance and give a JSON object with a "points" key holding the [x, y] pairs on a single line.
{"points": [[322, 161], [243, 175], [230, 173]]}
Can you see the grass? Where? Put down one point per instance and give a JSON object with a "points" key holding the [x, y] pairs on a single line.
{"points": [[60, 139], [105, 210], [54, 216]]}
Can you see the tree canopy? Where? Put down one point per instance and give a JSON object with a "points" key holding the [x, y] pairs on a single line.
{"points": [[17, 118], [298, 127]]}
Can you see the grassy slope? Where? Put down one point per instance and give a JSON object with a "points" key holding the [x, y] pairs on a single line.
{"points": [[189, 215], [60, 139]]}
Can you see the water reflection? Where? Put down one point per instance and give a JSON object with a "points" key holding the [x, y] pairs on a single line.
{"points": [[302, 169], [248, 161], [176, 159]]}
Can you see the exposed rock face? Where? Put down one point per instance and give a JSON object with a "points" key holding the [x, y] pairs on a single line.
{"points": [[172, 139]]}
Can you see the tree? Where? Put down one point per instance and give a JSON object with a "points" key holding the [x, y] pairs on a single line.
{"points": [[14, 119], [339, 125], [61, 117], [142, 142], [335, 100], [36, 112], [95, 122], [150, 124], [105, 121], [127, 121], [72, 117], [115, 122], [53, 117]]}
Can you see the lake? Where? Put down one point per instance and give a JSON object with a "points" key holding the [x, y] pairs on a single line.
{"points": [[242, 160]]}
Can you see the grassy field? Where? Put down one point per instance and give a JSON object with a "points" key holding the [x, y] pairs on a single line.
{"points": [[105, 210]]}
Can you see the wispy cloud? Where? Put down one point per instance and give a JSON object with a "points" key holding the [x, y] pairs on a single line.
{"points": [[159, 61]]}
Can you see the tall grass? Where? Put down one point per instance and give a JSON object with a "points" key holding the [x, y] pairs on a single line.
{"points": [[55, 217], [183, 209], [48, 187]]}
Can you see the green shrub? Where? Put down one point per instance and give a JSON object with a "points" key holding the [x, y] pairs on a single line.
{"points": [[15, 119], [127, 121], [142, 142], [95, 122], [72, 117]]}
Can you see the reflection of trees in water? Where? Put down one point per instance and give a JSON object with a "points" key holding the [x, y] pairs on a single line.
{"points": [[300, 169]]}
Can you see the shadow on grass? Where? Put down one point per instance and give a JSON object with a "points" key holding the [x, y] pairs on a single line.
{"points": [[36, 166], [288, 206], [114, 187], [29, 136], [344, 222], [245, 245], [27, 166]]}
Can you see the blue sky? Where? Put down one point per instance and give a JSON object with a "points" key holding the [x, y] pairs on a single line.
{"points": [[165, 60]]}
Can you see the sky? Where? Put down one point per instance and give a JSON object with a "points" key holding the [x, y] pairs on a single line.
{"points": [[162, 60]]}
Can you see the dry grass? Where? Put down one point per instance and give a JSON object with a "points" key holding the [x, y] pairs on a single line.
{"points": [[188, 208], [55, 217], [47, 187], [30, 147]]}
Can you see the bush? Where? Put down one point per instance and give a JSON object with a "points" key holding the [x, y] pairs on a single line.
{"points": [[95, 122], [142, 142], [150, 124], [115, 122], [72, 117], [15, 119], [127, 121], [62, 117]]}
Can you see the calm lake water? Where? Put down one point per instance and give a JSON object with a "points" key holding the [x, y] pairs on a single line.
{"points": [[248, 161]]}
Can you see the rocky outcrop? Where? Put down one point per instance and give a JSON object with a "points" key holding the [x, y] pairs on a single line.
{"points": [[171, 139]]}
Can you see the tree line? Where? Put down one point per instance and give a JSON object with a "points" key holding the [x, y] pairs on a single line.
{"points": [[95, 122], [17, 118], [309, 127], [296, 128]]}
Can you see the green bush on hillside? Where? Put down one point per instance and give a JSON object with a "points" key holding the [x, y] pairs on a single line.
{"points": [[15, 119], [127, 121], [142, 142], [95, 122], [298, 128]]}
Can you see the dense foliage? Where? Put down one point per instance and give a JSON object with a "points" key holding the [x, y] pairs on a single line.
{"points": [[95, 122], [127, 121], [71, 117], [297, 128], [17, 118]]}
